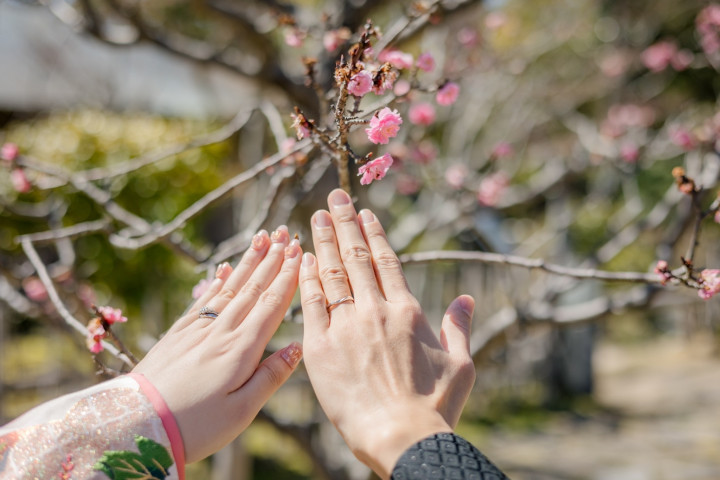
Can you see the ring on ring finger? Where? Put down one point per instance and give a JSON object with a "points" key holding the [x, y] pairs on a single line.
{"points": [[334, 304]]}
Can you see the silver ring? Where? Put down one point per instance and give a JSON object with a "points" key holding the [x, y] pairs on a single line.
{"points": [[334, 304], [207, 312]]}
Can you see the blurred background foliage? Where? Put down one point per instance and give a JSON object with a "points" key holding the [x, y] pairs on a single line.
{"points": [[565, 84]]}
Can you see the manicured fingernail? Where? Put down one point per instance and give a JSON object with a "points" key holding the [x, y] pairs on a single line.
{"points": [[292, 354], [222, 270], [259, 239], [367, 216], [292, 250], [339, 197], [322, 219], [280, 235], [308, 259]]}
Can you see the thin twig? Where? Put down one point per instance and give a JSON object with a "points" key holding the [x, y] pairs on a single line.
{"points": [[77, 230]]}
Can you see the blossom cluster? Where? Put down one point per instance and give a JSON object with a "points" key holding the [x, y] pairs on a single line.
{"points": [[98, 328], [708, 26], [9, 154]]}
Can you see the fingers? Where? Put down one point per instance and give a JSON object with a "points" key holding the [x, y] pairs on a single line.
{"points": [[387, 265], [221, 275], [455, 329], [354, 252], [268, 377], [330, 267], [315, 315]]}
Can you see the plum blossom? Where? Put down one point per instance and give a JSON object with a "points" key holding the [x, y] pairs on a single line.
{"points": [[708, 26], [709, 283], [468, 37], [9, 152], [19, 180], [384, 125], [111, 315], [683, 138], [384, 79], [502, 150], [360, 83], [716, 217], [294, 37], [661, 55], [422, 114], [375, 169], [447, 94], [455, 175], [425, 152], [34, 289], [301, 125], [333, 39], [662, 269], [402, 87], [200, 288], [407, 184], [629, 152], [426, 62], [491, 188], [396, 58], [95, 334]]}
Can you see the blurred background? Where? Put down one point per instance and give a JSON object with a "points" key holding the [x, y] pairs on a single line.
{"points": [[571, 118]]}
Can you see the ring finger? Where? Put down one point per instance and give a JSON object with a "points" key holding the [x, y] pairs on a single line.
{"points": [[333, 276]]}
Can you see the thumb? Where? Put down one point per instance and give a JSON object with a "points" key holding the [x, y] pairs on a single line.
{"points": [[455, 330], [272, 373]]}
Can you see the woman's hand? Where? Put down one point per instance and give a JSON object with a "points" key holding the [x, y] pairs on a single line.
{"points": [[208, 370], [381, 375]]}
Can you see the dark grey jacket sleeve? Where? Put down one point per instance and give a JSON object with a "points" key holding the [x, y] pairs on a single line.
{"points": [[445, 456]]}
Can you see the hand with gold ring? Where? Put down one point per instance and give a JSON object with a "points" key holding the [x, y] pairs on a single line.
{"points": [[382, 376], [208, 366]]}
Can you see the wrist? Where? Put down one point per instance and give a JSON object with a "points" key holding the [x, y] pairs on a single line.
{"points": [[393, 432]]}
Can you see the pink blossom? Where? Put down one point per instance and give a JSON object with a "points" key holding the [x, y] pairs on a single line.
{"points": [[491, 188], [495, 20], [716, 217], [34, 289], [384, 80], [95, 334], [375, 169], [425, 152], [360, 83], [200, 288], [468, 37], [294, 37], [112, 315], [455, 175], [287, 145], [683, 138], [622, 116], [396, 58], [332, 39], [447, 94], [629, 152], [9, 152], [709, 283], [502, 150], [301, 126], [407, 184], [19, 180], [384, 125], [708, 26], [87, 295], [402, 87], [682, 60], [662, 269], [426, 62], [657, 57], [422, 114]]}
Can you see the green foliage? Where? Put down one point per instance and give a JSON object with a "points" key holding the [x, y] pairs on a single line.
{"points": [[151, 463]]}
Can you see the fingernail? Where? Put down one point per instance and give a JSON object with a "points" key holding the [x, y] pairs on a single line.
{"points": [[467, 304], [308, 259], [259, 239], [292, 250], [338, 197], [367, 216], [280, 235], [292, 354], [322, 219], [222, 270]]}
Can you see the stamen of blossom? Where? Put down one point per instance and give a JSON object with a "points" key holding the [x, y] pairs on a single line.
{"points": [[384, 125], [709, 283], [360, 83], [111, 315], [384, 79], [447, 94], [375, 169]]}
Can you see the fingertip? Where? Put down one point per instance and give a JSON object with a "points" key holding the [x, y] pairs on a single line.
{"points": [[466, 304], [292, 354], [308, 260], [457, 323]]}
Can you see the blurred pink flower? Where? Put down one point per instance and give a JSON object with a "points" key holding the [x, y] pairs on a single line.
{"points": [[19, 180], [708, 26], [401, 88], [407, 184], [502, 150], [662, 269], [301, 126], [396, 58], [360, 83], [683, 138], [716, 217], [426, 62], [34, 289], [87, 295], [424, 152], [422, 114], [455, 175], [624, 115], [112, 315], [95, 334], [629, 152], [467, 37], [9, 152], [333, 39], [448, 93], [658, 56], [682, 60], [495, 20], [375, 169], [294, 37], [384, 125], [710, 283], [491, 188], [200, 288]]}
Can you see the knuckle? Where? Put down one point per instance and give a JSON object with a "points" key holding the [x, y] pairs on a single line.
{"points": [[345, 216], [252, 288], [314, 299], [387, 261], [271, 299], [333, 273], [273, 375], [466, 372], [227, 293], [356, 253]]}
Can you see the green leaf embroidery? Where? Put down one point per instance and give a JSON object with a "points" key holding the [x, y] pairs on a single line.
{"points": [[152, 463]]}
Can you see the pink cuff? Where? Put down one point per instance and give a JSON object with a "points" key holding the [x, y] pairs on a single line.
{"points": [[167, 418]]}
